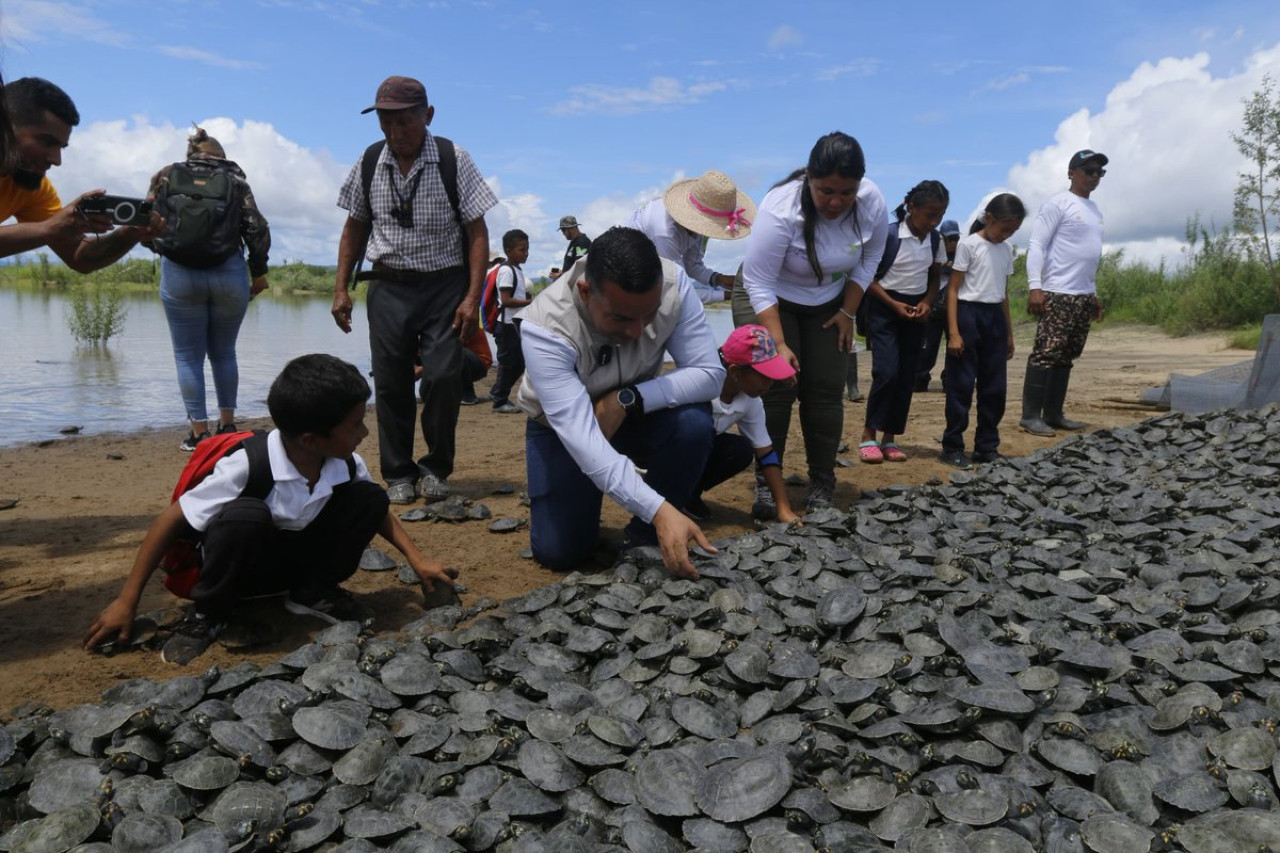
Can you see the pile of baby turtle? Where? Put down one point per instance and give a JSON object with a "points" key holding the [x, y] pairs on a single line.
{"points": [[1079, 650]]}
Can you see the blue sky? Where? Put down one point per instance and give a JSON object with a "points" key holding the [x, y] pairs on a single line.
{"points": [[591, 108]]}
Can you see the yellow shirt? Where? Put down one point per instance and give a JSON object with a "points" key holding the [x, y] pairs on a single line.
{"points": [[28, 205]]}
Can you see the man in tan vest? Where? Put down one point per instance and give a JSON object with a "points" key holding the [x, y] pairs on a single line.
{"points": [[593, 344]]}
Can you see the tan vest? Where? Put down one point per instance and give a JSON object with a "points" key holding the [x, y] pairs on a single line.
{"points": [[601, 365]]}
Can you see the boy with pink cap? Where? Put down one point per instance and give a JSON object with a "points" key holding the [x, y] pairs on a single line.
{"points": [[752, 365]]}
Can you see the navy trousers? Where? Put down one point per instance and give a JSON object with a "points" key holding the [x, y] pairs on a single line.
{"points": [[895, 351], [984, 365]]}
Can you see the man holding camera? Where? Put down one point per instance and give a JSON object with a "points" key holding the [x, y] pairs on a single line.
{"points": [[43, 116], [421, 217]]}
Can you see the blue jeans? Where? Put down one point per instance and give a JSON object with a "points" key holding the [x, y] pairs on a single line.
{"points": [[204, 308], [671, 444]]}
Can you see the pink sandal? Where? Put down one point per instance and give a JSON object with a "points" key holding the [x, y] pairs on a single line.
{"points": [[869, 452], [893, 453]]}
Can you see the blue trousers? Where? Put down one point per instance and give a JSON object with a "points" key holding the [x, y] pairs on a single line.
{"points": [[672, 445], [895, 351], [204, 308], [983, 364]]}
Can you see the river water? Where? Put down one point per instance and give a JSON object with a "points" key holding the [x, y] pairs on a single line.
{"points": [[52, 382]]}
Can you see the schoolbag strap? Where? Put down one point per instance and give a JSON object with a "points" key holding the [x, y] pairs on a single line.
{"points": [[891, 243], [368, 164], [261, 480]]}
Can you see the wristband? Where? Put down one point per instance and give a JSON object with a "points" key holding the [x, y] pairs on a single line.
{"points": [[845, 313], [770, 458]]}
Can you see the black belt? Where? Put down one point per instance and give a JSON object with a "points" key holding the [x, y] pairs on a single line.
{"points": [[381, 273]]}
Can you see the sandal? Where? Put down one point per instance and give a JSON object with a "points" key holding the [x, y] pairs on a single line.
{"points": [[869, 452], [893, 453]]}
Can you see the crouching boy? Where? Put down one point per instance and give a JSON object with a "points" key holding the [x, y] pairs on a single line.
{"points": [[304, 538], [752, 365]]}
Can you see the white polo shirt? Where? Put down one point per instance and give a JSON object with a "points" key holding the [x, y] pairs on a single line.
{"points": [[293, 505], [511, 278], [747, 413], [909, 274]]}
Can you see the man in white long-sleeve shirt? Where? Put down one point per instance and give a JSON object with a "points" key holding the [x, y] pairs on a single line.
{"points": [[1062, 263], [593, 344]]}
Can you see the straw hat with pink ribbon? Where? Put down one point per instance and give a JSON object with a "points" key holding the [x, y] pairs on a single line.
{"points": [[710, 205]]}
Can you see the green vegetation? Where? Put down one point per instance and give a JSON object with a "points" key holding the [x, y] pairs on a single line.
{"points": [[97, 312], [1257, 201]]}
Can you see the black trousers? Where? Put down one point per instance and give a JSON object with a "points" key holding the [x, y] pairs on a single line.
{"points": [[246, 554], [731, 453], [895, 351], [407, 320], [510, 362]]}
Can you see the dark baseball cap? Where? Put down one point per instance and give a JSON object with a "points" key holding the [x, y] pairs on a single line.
{"points": [[949, 228], [398, 93], [1079, 158]]}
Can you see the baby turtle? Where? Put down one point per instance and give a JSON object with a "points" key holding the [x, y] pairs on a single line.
{"points": [[741, 789], [373, 560], [59, 831], [667, 783], [505, 524]]}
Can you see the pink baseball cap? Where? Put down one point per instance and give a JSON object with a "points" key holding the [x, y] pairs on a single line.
{"points": [[753, 346]]}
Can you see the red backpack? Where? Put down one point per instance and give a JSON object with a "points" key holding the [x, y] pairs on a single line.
{"points": [[181, 562], [491, 300]]}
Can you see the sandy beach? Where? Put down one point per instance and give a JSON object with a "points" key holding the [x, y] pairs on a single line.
{"points": [[83, 504]]}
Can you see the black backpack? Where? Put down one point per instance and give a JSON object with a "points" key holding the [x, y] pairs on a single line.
{"points": [[202, 203], [892, 242]]}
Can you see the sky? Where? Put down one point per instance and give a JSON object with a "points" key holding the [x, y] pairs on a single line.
{"points": [[592, 108]]}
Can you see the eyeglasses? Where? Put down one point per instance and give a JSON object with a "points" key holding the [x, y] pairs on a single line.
{"points": [[1094, 171]]}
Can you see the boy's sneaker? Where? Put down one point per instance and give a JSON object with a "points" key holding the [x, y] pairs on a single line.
{"points": [[697, 509], [333, 605], [189, 443], [226, 428], [764, 508], [507, 409], [190, 637], [956, 459], [432, 488], [822, 492], [401, 493], [985, 457]]}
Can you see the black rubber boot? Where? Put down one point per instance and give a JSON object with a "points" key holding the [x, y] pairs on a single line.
{"points": [[1059, 379], [1034, 391]]}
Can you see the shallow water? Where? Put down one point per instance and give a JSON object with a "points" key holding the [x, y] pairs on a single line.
{"points": [[131, 383]]}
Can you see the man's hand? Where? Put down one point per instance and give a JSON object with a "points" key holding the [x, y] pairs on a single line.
{"points": [[258, 285], [466, 318], [113, 623], [610, 414], [341, 310], [71, 223], [675, 529], [1035, 302]]}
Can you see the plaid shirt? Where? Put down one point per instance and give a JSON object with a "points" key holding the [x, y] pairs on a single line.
{"points": [[435, 240]]}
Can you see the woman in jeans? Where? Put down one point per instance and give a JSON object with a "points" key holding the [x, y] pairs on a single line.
{"points": [[814, 248], [205, 302]]}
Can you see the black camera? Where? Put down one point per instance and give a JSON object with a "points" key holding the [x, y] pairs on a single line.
{"points": [[122, 210]]}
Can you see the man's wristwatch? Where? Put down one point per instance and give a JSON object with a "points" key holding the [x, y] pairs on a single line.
{"points": [[630, 400]]}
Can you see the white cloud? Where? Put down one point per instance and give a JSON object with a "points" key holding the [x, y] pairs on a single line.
{"points": [[1010, 81], [785, 36], [661, 92], [1166, 130], [34, 20], [197, 55], [864, 67]]}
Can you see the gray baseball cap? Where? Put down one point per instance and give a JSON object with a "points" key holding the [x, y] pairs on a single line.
{"points": [[568, 222]]}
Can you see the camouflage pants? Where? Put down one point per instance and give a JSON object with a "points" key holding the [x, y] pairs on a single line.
{"points": [[1062, 329]]}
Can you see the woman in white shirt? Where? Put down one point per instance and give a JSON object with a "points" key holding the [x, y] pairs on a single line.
{"points": [[814, 249]]}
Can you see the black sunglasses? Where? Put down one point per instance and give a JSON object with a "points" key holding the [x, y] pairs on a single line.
{"points": [[1094, 171]]}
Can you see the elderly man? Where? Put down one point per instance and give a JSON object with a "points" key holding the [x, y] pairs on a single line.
{"points": [[594, 343], [417, 202], [43, 116], [1062, 262]]}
